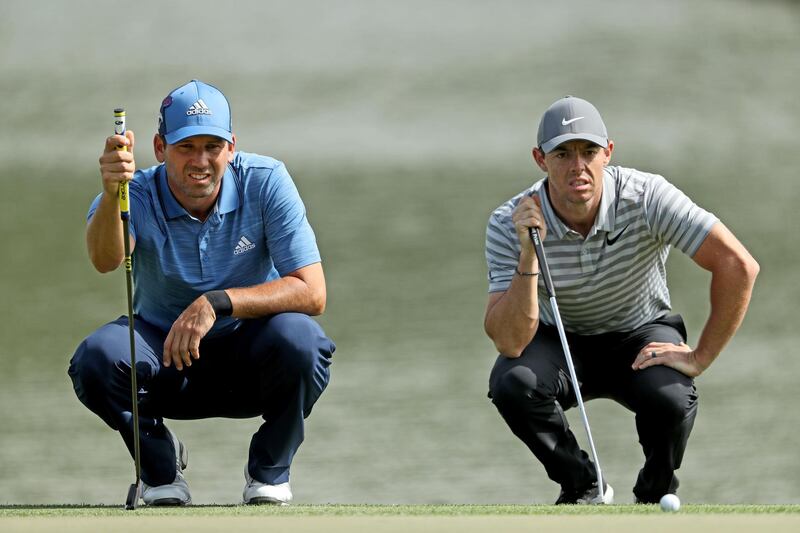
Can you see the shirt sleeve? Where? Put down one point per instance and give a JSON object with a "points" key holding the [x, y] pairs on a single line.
{"points": [[674, 218], [502, 250], [291, 241]]}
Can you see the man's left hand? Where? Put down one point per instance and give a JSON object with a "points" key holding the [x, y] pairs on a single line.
{"points": [[183, 341], [678, 356]]}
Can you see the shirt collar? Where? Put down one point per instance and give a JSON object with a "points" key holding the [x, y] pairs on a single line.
{"points": [[229, 196], [227, 201], [606, 215]]}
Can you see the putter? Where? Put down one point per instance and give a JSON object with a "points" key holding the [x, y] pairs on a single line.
{"points": [[551, 293], [135, 490]]}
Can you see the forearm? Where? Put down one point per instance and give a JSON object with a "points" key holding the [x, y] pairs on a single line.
{"points": [[731, 289], [513, 319], [287, 294], [104, 239]]}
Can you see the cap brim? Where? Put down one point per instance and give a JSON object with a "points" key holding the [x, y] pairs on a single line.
{"points": [[550, 145], [190, 131]]}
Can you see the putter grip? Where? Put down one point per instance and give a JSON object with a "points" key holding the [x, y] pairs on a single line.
{"points": [[543, 268], [119, 129]]}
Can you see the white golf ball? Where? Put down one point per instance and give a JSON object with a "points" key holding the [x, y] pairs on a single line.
{"points": [[670, 503]]}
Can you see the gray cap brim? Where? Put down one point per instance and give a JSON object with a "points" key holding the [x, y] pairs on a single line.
{"points": [[551, 145]]}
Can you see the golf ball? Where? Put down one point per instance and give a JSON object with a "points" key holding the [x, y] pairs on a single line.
{"points": [[670, 503]]}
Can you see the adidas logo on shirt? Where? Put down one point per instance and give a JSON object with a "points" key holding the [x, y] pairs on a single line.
{"points": [[198, 108], [243, 245]]}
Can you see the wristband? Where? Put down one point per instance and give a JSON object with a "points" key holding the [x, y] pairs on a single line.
{"points": [[526, 273], [220, 302]]}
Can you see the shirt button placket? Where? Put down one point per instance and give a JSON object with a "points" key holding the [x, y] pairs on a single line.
{"points": [[586, 259], [203, 249]]}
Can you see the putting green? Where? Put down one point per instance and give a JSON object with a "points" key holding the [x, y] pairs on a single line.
{"points": [[215, 519]]}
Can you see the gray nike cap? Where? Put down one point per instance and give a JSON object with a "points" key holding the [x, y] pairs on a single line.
{"points": [[568, 119]]}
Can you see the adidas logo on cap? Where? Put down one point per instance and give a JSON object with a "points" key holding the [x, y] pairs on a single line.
{"points": [[243, 245], [198, 108]]}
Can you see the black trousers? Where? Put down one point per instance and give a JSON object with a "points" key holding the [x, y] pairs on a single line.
{"points": [[533, 391]]}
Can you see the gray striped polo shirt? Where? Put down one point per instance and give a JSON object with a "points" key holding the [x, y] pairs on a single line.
{"points": [[615, 279]]}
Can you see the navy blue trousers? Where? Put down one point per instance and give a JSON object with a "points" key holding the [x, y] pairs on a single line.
{"points": [[531, 393], [275, 367]]}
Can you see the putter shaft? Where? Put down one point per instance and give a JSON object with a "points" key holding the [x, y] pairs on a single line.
{"points": [[551, 293], [124, 211]]}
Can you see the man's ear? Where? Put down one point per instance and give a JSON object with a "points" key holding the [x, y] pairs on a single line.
{"points": [[159, 147], [538, 157], [607, 152], [231, 148]]}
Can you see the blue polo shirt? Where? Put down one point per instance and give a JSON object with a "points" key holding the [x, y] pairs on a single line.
{"points": [[257, 232]]}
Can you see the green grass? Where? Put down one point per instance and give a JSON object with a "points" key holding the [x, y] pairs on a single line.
{"points": [[385, 510], [403, 518]]}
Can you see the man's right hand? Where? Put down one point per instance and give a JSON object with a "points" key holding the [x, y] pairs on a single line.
{"points": [[104, 230], [528, 214], [117, 166], [512, 316]]}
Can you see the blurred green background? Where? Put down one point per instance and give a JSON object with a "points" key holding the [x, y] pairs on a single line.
{"points": [[404, 124]]}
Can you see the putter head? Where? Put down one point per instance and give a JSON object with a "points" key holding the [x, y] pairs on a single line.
{"points": [[134, 492]]}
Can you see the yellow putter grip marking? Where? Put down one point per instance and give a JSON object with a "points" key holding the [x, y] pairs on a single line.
{"points": [[124, 204]]}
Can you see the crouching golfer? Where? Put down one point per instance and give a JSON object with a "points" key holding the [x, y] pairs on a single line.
{"points": [[606, 232], [226, 272]]}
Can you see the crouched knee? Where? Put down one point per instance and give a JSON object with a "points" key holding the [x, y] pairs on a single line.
{"points": [[93, 367], [513, 387], [300, 342], [671, 404]]}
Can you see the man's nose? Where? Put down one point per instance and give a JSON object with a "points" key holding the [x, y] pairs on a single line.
{"points": [[201, 158], [577, 164]]}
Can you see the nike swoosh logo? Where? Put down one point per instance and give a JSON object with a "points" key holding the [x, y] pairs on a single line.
{"points": [[611, 240], [565, 122]]}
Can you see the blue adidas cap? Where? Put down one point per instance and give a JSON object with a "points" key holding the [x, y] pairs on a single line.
{"points": [[195, 109]]}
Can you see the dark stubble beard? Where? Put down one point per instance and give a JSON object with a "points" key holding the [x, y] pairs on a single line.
{"points": [[193, 192]]}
